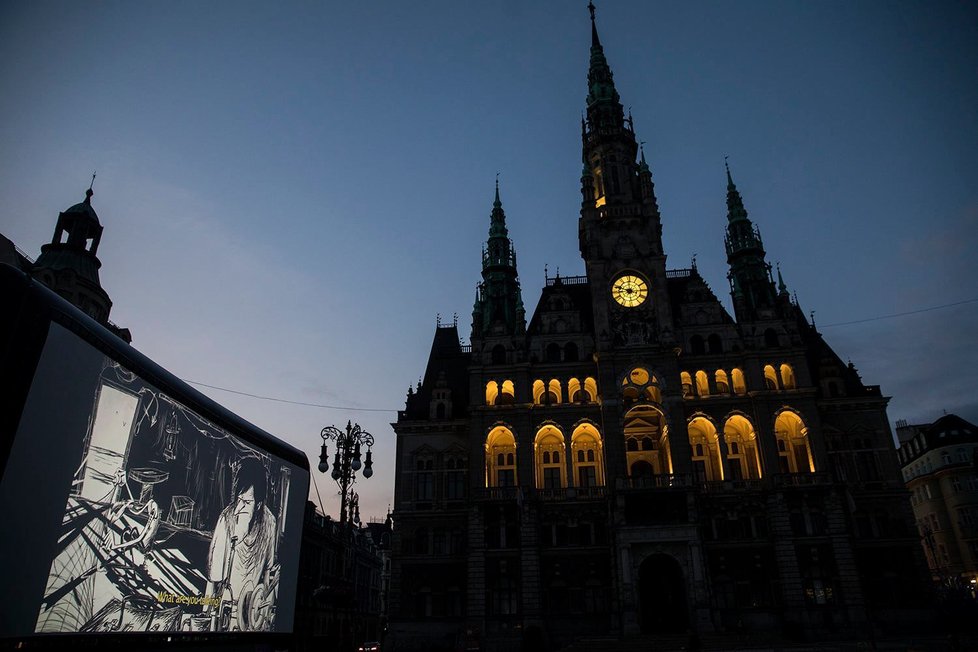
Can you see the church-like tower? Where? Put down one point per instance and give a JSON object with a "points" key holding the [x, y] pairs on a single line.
{"points": [[751, 283], [69, 264], [498, 316], [620, 231]]}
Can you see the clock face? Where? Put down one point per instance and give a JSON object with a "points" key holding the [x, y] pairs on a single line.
{"points": [[629, 291]]}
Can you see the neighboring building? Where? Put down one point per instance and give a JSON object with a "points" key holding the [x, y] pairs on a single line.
{"points": [[940, 467], [69, 264], [380, 533], [339, 602], [637, 460]]}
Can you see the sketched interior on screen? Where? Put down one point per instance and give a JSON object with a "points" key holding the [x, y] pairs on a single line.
{"points": [[171, 524]]}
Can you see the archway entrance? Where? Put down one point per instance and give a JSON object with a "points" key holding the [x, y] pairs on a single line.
{"points": [[662, 596]]}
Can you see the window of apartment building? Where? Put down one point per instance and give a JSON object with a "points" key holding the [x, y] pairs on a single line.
{"points": [[455, 479], [424, 481], [503, 596]]}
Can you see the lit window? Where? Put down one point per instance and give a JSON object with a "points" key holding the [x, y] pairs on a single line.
{"points": [[787, 376], [549, 446], [501, 457], [588, 463], [794, 452]]}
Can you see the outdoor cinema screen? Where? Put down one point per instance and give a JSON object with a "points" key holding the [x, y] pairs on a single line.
{"points": [[128, 511]]}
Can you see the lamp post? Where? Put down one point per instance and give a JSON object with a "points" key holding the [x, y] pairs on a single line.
{"points": [[346, 463]]}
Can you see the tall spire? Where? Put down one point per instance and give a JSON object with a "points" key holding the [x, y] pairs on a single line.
{"points": [[499, 301], [609, 145], [750, 278], [601, 83], [735, 204], [497, 219], [595, 41]]}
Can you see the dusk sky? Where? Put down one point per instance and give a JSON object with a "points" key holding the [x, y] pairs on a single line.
{"points": [[291, 192]]}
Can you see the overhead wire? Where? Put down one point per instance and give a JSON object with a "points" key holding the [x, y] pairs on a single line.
{"points": [[365, 409], [898, 314], [285, 400]]}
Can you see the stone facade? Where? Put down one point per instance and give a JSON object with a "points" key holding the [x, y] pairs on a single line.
{"points": [[939, 467], [635, 459]]}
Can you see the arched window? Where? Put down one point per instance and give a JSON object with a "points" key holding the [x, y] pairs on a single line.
{"points": [[501, 458], [702, 384], [591, 389], [687, 383], [696, 346], [704, 443], [492, 391], [770, 338], [499, 354], [720, 378], [739, 386], [570, 352], [794, 451], [553, 352], [538, 391], [770, 377], [647, 441], [588, 462], [787, 376], [743, 459], [548, 447], [574, 394], [714, 343], [553, 391], [507, 393]]}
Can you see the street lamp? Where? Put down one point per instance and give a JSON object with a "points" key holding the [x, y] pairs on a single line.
{"points": [[346, 463]]}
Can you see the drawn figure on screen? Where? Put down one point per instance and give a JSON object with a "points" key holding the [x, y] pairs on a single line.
{"points": [[134, 535], [241, 568]]}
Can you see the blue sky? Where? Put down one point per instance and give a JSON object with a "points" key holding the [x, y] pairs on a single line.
{"points": [[291, 192]]}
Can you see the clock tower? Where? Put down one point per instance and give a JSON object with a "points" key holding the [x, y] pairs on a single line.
{"points": [[620, 229]]}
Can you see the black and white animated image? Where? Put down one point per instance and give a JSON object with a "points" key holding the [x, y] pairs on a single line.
{"points": [[171, 523]]}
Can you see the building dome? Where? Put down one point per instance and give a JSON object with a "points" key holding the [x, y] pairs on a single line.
{"points": [[84, 208]]}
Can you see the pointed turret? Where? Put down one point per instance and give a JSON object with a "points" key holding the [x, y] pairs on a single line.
{"points": [[782, 287], [498, 308], [601, 83], [610, 149], [751, 284]]}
